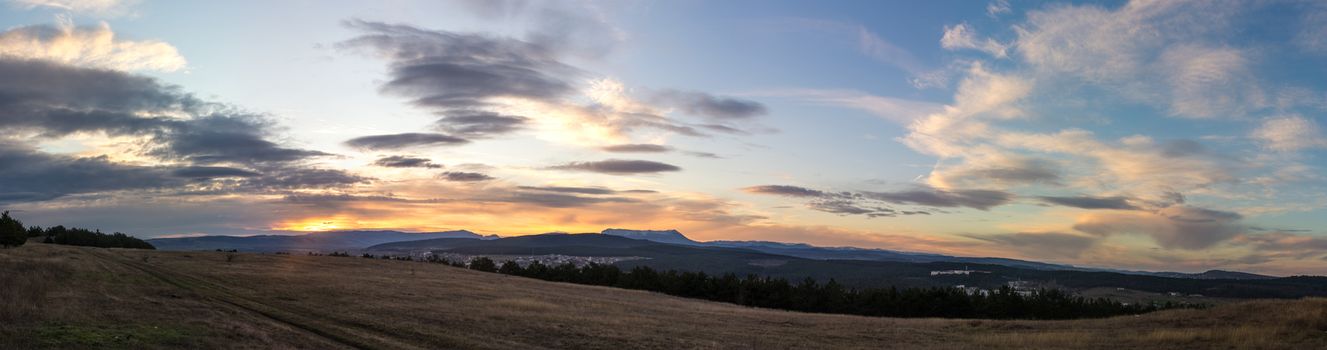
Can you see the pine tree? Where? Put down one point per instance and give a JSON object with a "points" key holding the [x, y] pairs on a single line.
{"points": [[12, 233]]}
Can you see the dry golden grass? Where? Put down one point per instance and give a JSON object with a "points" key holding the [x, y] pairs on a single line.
{"points": [[69, 297]]}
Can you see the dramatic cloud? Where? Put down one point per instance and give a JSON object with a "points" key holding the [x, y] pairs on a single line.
{"points": [[406, 140], [234, 138], [445, 70], [976, 199], [405, 162], [292, 178], [487, 85], [92, 47], [1089, 202], [57, 100], [217, 148], [850, 205], [703, 104], [29, 175], [479, 124], [210, 172], [461, 176], [1049, 244], [637, 148], [1177, 226], [619, 167]]}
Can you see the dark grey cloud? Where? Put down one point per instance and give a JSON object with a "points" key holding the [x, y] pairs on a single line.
{"points": [[30, 175], [638, 148], [848, 205], [479, 124], [706, 105], [463, 75], [58, 100], [210, 172], [1041, 245], [577, 190], [785, 190], [461, 176], [619, 166], [399, 141], [445, 70], [219, 148], [289, 178], [233, 138], [927, 196], [406, 162], [1089, 202], [55, 100]]}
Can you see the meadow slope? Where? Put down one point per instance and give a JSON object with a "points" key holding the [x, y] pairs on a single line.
{"points": [[73, 297]]}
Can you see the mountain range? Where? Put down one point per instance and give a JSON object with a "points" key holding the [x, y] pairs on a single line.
{"points": [[312, 242], [396, 242]]}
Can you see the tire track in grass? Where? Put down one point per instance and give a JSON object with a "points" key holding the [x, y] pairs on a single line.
{"points": [[335, 334]]}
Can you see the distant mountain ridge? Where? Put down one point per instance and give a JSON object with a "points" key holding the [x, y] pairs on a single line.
{"points": [[807, 251], [664, 236], [857, 273], [1215, 275], [321, 241], [405, 242]]}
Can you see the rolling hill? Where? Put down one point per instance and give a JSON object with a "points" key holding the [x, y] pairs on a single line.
{"points": [[322, 241], [855, 273], [64, 297]]}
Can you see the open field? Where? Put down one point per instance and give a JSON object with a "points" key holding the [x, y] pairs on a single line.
{"points": [[71, 297]]}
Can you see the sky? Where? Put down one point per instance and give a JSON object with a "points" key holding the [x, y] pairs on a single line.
{"points": [[1151, 135]]}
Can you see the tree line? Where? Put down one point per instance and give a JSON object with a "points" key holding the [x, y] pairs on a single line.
{"points": [[810, 295], [13, 234]]}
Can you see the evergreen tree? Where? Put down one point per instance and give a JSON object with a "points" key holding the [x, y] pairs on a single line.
{"points": [[510, 268], [831, 297], [483, 264], [36, 231], [12, 233]]}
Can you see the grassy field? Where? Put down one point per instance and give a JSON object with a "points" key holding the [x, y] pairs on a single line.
{"points": [[72, 297]]}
